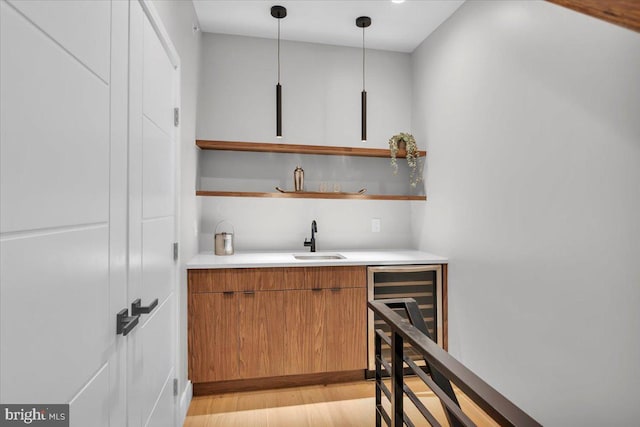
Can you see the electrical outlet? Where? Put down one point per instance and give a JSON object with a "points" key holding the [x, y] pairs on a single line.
{"points": [[375, 225]]}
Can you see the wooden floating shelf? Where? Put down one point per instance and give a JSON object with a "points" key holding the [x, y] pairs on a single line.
{"points": [[311, 195], [261, 147]]}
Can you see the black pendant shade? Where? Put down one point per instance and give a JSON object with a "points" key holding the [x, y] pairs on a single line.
{"points": [[363, 113], [279, 110], [363, 22], [278, 12]]}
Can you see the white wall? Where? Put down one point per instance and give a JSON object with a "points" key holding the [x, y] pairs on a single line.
{"points": [[179, 18], [531, 116], [283, 224], [321, 106], [321, 88]]}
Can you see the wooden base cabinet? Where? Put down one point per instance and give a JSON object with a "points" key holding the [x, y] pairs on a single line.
{"points": [[261, 334], [270, 322], [213, 337], [305, 343], [346, 326], [235, 335], [325, 330]]}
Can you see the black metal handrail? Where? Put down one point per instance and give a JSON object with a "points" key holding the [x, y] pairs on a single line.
{"points": [[443, 368]]}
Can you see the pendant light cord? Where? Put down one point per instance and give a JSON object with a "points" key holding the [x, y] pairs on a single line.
{"points": [[363, 54]]}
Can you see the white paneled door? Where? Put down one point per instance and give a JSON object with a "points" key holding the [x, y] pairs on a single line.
{"points": [[87, 209], [63, 206], [152, 176]]}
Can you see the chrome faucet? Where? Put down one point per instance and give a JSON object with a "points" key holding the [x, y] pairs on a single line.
{"points": [[312, 242]]}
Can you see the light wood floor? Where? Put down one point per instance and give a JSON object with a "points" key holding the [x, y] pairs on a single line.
{"points": [[339, 405]]}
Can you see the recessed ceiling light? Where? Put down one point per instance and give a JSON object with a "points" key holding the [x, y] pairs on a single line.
{"points": [[397, 1]]}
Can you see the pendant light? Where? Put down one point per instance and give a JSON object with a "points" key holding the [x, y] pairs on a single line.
{"points": [[363, 22], [278, 12]]}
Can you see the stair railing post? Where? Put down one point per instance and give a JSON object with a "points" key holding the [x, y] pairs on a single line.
{"points": [[378, 354], [397, 380]]}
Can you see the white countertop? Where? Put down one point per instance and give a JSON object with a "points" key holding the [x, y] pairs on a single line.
{"points": [[286, 259]]}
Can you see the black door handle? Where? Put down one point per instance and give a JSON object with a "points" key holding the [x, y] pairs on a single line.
{"points": [[125, 323], [137, 308]]}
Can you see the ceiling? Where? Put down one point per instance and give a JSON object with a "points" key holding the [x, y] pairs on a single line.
{"points": [[396, 27]]}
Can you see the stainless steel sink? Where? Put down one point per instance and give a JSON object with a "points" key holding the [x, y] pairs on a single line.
{"points": [[317, 256]]}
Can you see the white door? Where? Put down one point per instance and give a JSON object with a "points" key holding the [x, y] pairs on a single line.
{"points": [[152, 175], [63, 206]]}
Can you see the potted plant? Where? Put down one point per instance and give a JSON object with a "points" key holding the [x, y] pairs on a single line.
{"points": [[405, 141]]}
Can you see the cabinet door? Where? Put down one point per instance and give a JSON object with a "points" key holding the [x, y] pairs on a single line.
{"points": [[346, 328], [261, 334], [304, 345], [213, 337]]}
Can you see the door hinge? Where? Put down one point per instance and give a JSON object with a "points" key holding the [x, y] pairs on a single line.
{"points": [[175, 251], [176, 116], [175, 386]]}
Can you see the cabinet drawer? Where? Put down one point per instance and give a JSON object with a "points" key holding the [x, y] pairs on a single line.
{"points": [[208, 281], [236, 279], [325, 277], [255, 279]]}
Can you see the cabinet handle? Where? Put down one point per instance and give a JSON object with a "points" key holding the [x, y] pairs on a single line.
{"points": [[316, 289], [137, 308], [125, 323], [249, 292], [227, 293], [335, 289]]}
